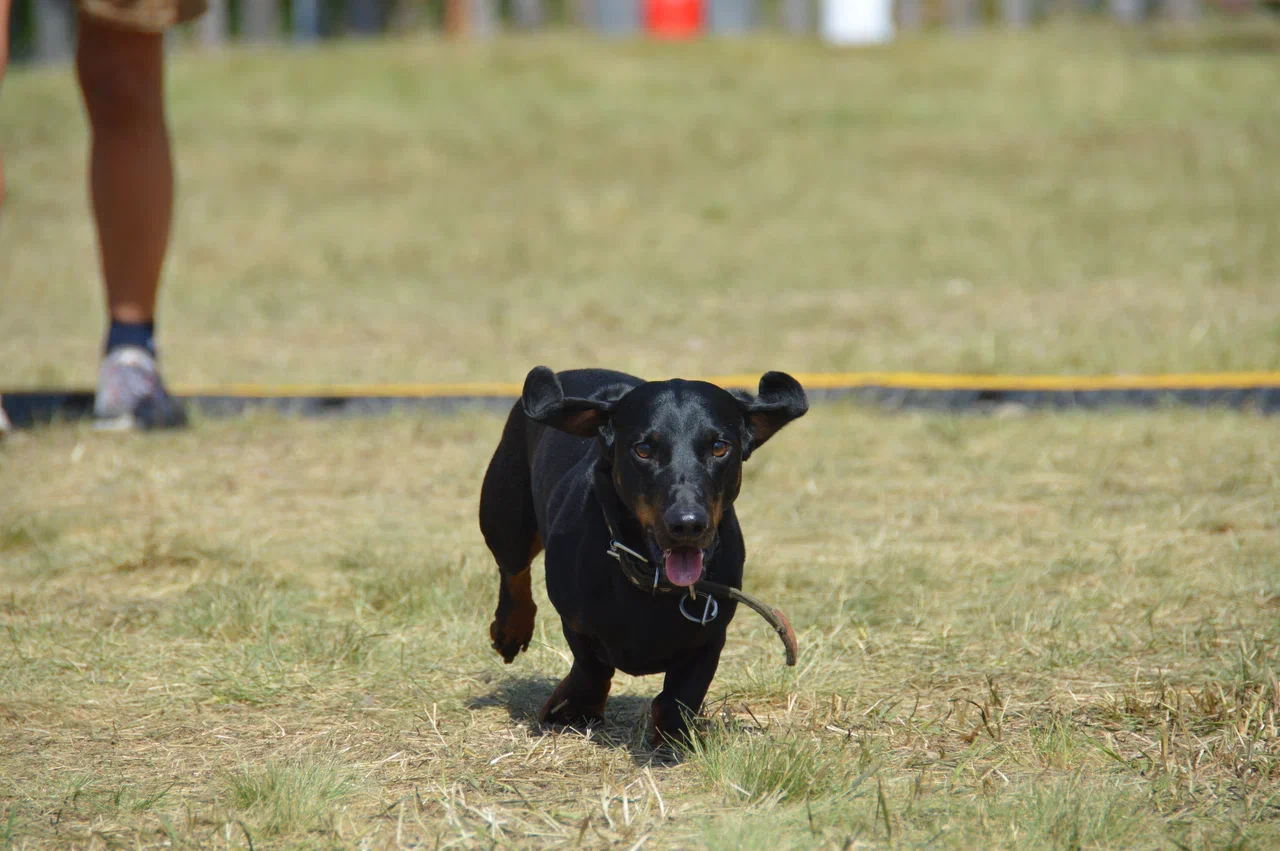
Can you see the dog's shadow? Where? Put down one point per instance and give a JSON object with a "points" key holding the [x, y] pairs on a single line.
{"points": [[626, 717]]}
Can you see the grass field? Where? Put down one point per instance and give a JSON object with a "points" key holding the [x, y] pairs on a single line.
{"points": [[1074, 202], [1023, 633], [1033, 631]]}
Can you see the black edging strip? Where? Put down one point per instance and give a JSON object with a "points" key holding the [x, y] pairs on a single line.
{"points": [[40, 407]]}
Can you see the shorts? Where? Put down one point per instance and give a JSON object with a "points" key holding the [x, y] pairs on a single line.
{"points": [[151, 16]]}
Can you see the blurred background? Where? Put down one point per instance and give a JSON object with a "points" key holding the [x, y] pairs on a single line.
{"points": [[42, 28], [395, 190]]}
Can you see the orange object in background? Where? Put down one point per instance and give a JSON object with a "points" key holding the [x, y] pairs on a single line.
{"points": [[456, 17], [673, 18]]}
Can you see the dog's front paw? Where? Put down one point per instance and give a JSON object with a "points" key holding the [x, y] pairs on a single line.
{"points": [[673, 726], [510, 635]]}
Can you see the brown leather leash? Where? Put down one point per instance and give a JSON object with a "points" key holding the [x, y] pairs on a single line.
{"points": [[774, 617]]}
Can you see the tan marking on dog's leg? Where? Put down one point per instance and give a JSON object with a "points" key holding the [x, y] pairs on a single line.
{"points": [[512, 627]]}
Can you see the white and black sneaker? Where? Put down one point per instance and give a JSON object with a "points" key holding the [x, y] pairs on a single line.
{"points": [[131, 394]]}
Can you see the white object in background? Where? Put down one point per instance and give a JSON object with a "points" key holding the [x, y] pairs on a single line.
{"points": [[848, 22]]}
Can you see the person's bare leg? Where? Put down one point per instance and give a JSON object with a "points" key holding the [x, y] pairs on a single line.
{"points": [[121, 77], [5, 6], [4, 63]]}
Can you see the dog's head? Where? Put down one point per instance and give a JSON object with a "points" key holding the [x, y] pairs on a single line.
{"points": [[675, 450]]}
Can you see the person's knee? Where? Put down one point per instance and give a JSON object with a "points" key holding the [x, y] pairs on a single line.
{"points": [[121, 77]]}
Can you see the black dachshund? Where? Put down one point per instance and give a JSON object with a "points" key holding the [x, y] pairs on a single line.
{"points": [[629, 487]]}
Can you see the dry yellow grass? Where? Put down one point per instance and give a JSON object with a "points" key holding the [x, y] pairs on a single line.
{"points": [[1064, 202], [1050, 631], [1045, 631]]}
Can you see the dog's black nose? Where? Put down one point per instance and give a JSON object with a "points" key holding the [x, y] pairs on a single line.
{"points": [[687, 523]]}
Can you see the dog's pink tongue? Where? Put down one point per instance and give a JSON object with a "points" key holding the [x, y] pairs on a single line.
{"points": [[684, 566]]}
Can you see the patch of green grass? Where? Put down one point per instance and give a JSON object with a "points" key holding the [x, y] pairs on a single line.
{"points": [[1057, 743], [93, 795], [1076, 815], [245, 606], [405, 589], [773, 768], [768, 831], [133, 800], [253, 681], [296, 795], [25, 533], [77, 786], [334, 645], [8, 828]]}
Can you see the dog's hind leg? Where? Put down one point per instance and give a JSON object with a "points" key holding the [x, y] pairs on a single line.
{"points": [[510, 529]]}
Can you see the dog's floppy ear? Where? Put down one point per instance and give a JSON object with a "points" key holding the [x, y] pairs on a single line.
{"points": [[780, 400], [544, 402]]}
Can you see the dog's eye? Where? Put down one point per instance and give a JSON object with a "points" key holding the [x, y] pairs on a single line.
{"points": [[720, 449], [643, 450]]}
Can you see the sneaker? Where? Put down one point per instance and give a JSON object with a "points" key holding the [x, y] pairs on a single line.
{"points": [[131, 394]]}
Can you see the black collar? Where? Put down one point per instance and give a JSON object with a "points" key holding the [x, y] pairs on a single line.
{"points": [[646, 576]]}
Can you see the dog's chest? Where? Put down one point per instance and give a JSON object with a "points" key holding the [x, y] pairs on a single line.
{"points": [[635, 632], [648, 645]]}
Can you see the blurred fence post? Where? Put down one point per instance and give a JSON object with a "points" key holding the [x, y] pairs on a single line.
{"points": [[212, 27], [304, 20], [962, 15], [910, 14], [528, 14], [53, 30], [1016, 13], [405, 16], [730, 17], [1126, 11], [455, 17], [364, 17], [797, 16], [615, 17], [261, 20], [468, 18], [484, 17], [1183, 11]]}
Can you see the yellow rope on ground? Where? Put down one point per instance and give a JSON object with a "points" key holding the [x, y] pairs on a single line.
{"points": [[812, 380]]}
